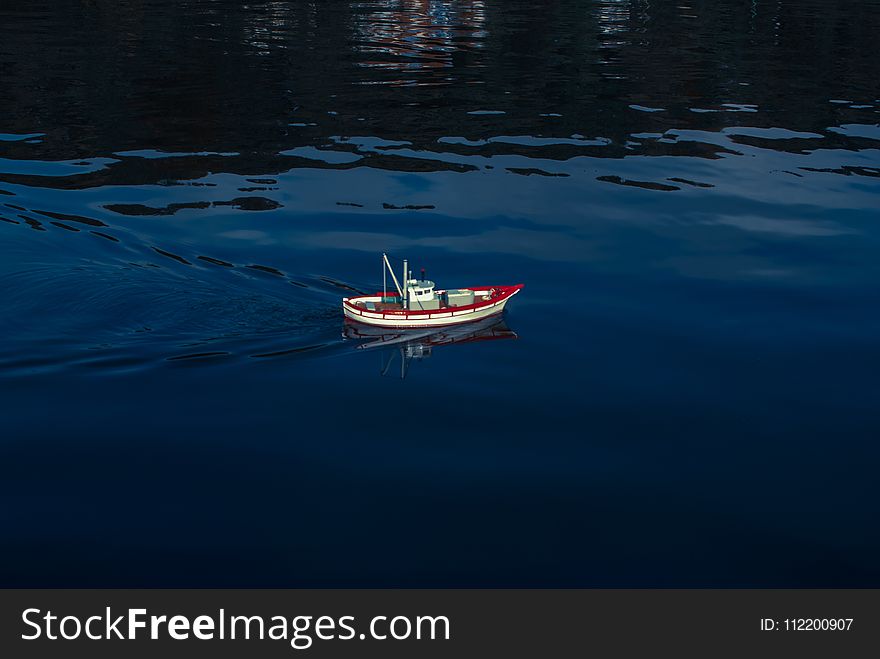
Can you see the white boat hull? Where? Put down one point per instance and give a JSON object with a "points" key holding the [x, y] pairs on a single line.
{"points": [[439, 318]]}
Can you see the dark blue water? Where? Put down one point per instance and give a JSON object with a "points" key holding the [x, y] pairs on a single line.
{"points": [[684, 394]]}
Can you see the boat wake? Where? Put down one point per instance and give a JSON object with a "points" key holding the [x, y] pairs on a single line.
{"points": [[116, 302]]}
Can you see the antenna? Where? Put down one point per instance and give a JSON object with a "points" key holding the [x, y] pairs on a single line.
{"points": [[405, 282]]}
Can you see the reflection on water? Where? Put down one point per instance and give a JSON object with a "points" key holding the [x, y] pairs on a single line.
{"points": [[402, 347], [418, 38], [689, 191]]}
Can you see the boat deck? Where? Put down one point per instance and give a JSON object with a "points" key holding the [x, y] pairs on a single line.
{"points": [[390, 306], [378, 306], [374, 305]]}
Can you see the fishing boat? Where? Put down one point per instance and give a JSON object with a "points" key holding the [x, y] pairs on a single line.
{"points": [[417, 303]]}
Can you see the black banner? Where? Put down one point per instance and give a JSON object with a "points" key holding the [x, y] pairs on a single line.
{"points": [[438, 623]]}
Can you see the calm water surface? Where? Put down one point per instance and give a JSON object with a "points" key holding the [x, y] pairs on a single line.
{"points": [[685, 393]]}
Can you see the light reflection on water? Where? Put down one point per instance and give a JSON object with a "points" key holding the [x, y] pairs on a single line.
{"points": [[417, 37]]}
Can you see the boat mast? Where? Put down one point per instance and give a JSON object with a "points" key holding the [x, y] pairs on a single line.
{"points": [[405, 282], [393, 277], [384, 277]]}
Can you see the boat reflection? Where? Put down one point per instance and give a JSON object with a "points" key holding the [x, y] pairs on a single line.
{"points": [[399, 348]]}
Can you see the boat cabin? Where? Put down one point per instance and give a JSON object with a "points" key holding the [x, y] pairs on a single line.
{"points": [[420, 295]]}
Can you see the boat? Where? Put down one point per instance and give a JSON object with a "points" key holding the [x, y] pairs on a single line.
{"points": [[419, 304]]}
